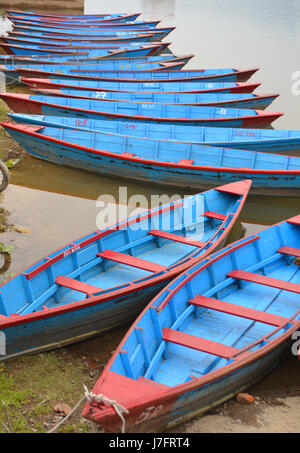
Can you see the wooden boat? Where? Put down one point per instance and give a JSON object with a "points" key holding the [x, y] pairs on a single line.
{"points": [[90, 34], [243, 100], [110, 25], [212, 332], [163, 162], [138, 112], [70, 19], [60, 42], [17, 13], [279, 141], [80, 59], [170, 87], [107, 66], [113, 19], [105, 278], [112, 51], [146, 76]]}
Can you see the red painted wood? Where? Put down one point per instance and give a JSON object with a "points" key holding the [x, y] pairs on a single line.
{"points": [[200, 344], [267, 281], [76, 285], [131, 261], [176, 238], [236, 188], [295, 220], [238, 310], [155, 384], [214, 215], [289, 251]]}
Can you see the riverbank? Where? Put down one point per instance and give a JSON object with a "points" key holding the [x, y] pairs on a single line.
{"points": [[41, 5]]}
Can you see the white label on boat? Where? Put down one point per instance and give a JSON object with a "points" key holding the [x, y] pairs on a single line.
{"points": [[150, 412], [147, 106], [100, 94], [71, 250], [222, 111], [150, 84]]}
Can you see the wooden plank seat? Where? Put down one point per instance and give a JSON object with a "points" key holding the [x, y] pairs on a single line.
{"points": [[263, 280], [214, 215], [289, 251], [76, 285], [176, 238], [238, 310], [131, 261], [200, 344]]}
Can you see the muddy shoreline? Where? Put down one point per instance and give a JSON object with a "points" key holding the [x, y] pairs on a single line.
{"points": [[41, 5]]}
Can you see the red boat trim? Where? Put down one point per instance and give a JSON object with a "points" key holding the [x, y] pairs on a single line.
{"points": [[239, 74], [239, 87], [168, 274], [243, 357], [261, 115], [152, 162]]}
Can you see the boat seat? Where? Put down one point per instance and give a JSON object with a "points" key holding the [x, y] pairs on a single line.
{"points": [[214, 215], [238, 310], [131, 261], [289, 251], [176, 238], [76, 285], [267, 281], [200, 344]]}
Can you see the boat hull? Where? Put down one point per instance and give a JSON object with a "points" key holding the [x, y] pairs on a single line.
{"points": [[197, 402], [158, 173]]}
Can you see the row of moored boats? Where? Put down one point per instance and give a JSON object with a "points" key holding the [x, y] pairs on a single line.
{"points": [[108, 96]]}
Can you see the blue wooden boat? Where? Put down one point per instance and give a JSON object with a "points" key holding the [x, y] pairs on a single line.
{"points": [[114, 19], [68, 18], [170, 87], [99, 31], [191, 75], [17, 13], [107, 66], [84, 27], [215, 330], [18, 60], [239, 100], [160, 33], [279, 141], [73, 42], [113, 51], [138, 112], [163, 162], [106, 277]]}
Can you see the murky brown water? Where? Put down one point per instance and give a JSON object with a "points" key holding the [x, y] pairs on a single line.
{"points": [[58, 204]]}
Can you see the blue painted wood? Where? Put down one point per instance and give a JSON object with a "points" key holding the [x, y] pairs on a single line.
{"points": [[64, 313], [252, 347], [240, 100], [264, 140], [155, 154]]}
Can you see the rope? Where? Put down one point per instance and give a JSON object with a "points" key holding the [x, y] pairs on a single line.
{"points": [[119, 409]]}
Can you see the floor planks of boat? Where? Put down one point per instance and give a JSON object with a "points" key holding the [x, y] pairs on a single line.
{"points": [[204, 323], [124, 256]]}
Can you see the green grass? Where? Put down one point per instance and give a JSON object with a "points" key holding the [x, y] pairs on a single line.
{"points": [[32, 386]]}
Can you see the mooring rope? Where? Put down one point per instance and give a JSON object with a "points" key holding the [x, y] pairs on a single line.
{"points": [[119, 409]]}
